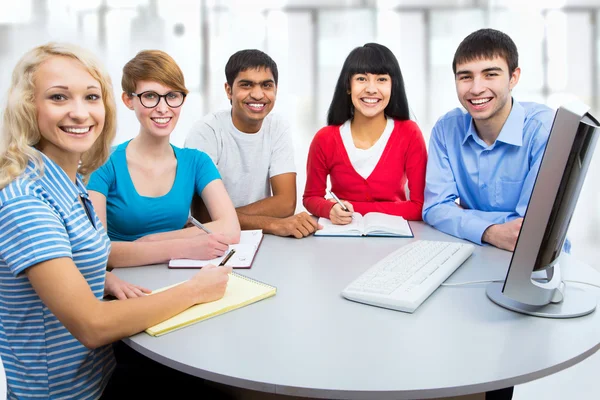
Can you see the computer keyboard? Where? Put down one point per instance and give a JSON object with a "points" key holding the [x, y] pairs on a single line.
{"points": [[405, 278]]}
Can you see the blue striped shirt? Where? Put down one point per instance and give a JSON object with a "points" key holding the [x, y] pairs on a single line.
{"points": [[42, 218]]}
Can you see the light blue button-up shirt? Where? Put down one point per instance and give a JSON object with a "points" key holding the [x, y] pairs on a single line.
{"points": [[493, 183]]}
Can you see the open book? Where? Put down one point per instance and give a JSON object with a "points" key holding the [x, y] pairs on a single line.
{"points": [[371, 224], [240, 292], [243, 257]]}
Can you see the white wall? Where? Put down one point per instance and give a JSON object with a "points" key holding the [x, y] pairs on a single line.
{"points": [[310, 56]]}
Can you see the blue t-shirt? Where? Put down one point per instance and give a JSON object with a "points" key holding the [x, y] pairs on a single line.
{"points": [[42, 218], [129, 215]]}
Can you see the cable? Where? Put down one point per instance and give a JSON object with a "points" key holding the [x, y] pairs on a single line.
{"points": [[472, 282], [584, 283], [502, 280]]}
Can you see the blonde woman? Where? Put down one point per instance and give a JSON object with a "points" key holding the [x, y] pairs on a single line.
{"points": [[55, 332], [144, 192]]}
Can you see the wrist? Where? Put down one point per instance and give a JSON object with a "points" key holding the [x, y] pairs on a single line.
{"points": [[488, 234], [174, 248], [328, 209], [190, 295], [271, 225]]}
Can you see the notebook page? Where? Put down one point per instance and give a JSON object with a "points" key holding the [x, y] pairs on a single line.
{"points": [[240, 291], [355, 228], [244, 252], [381, 223]]}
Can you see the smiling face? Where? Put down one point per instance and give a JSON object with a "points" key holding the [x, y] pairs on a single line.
{"points": [[158, 121], [252, 97], [484, 89], [370, 94], [70, 110]]}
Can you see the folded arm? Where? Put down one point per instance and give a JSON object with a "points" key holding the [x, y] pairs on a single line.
{"points": [[441, 192], [440, 209], [274, 215], [281, 204]]}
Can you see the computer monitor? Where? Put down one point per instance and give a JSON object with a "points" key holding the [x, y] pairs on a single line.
{"points": [[562, 171]]}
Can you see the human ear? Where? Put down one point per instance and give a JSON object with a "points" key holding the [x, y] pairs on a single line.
{"points": [[127, 100], [514, 78], [228, 91]]}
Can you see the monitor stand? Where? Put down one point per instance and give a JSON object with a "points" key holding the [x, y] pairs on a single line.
{"points": [[566, 301]]}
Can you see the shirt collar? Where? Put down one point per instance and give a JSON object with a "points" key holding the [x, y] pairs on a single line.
{"points": [[66, 192], [512, 130]]}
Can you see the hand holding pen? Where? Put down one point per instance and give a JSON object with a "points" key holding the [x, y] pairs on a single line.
{"points": [[206, 247], [341, 212]]}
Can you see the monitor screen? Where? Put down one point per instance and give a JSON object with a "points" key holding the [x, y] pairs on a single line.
{"points": [[558, 183], [568, 193]]}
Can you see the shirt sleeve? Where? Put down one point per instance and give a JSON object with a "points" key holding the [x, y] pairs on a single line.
{"points": [[416, 163], [316, 178], [282, 151], [102, 179], [30, 233], [204, 138], [206, 171], [441, 192]]}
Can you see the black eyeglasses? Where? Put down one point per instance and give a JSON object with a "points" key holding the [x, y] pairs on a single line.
{"points": [[150, 99]]}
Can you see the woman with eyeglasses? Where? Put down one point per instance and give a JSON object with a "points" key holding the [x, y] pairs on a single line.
{"points": [[144, 191]]}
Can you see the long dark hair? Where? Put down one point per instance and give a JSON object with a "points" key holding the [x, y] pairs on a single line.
{"points": [[372, 58]]}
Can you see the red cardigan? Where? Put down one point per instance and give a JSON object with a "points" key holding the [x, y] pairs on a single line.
{"points": [[404, 157]]}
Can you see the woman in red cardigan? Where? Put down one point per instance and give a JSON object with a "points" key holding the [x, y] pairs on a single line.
{"points": [[370, 148]]}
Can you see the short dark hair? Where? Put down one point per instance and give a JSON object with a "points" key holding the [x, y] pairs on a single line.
{"points": [[249, 59], [487, 44], [372, 58]]}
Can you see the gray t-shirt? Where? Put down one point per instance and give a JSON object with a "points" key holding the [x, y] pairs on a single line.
{"points": [[246, 161]]}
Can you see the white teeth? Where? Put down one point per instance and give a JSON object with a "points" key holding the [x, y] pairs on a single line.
{"points": [[370, 100], [256, 105], [479, 101], [161, 120], [76, 130]]}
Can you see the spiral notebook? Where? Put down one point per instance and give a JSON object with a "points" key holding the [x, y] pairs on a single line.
{"points": [[240, 292], [245, 251]]}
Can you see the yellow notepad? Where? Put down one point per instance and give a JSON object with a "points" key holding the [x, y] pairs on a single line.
{"points": [[240, 292]]}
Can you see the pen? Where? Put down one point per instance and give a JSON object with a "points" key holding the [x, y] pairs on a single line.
{"points": [[338, 201], [199, 225], [227, 257]]}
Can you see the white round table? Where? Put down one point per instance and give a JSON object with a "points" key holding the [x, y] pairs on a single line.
{"points": [[309, 341]]}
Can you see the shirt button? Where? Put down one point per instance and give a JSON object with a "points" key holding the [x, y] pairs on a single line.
{"points": [[483, 186]]}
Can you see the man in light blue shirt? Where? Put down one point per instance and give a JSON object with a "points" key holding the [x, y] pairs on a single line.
{"points": [[483, 163]]}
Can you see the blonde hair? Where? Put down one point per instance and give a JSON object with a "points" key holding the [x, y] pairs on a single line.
{"points": [[155, 66], [20, 132]]}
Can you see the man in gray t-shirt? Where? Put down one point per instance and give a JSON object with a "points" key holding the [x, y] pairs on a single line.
{"points": [[253, 150]]}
